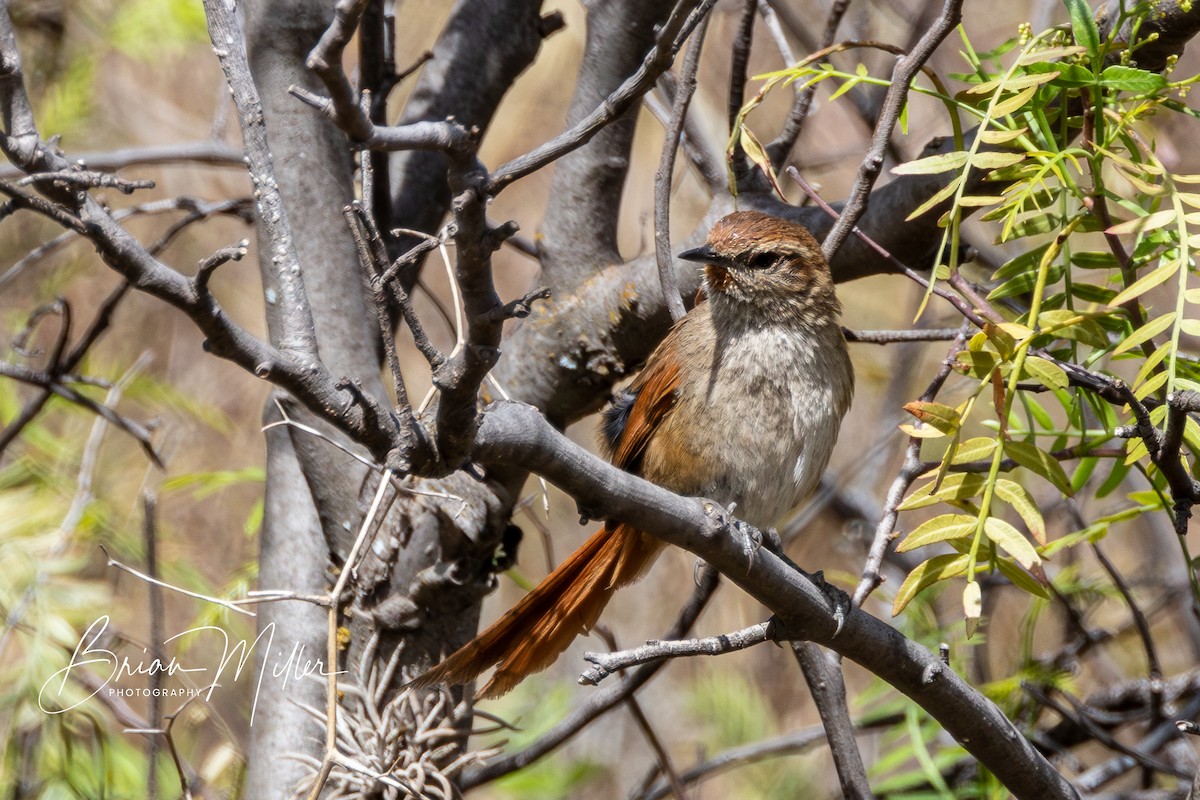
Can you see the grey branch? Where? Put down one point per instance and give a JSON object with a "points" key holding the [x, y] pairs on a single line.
{"points": [[606, 664], [515, 434], [897, 95]]}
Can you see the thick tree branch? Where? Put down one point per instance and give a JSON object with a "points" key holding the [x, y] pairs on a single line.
{"points": [[517, 435], [299, 336]]}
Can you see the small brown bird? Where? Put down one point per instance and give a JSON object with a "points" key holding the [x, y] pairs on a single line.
{"points": [[741, 403]]}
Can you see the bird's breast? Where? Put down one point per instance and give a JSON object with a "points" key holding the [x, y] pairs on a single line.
{"points": [[756, 423]]}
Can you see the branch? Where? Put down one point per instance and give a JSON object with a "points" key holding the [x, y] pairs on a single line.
{"points": [[828, 689], [56, 384], [897, 95], [671, 37], [517, 435], [298, 336], [666, 171], [211, 153], [781, 148], [605, 664], [471, 70]]}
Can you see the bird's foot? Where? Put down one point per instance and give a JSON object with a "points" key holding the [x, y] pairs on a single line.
{"points": [[838, 599]]}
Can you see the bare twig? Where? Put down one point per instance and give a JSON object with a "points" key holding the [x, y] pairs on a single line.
{"points": [[781, 147], [671, 37], [155, 603], [684, 90], [662, 756], [828, 689], [87, 179], [606, 664], [213, 153], [905, 70], [112, 562], [893, 337], [910, 468]]}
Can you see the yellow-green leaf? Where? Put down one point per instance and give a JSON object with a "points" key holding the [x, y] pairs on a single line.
{"points": [[1046, 373], [1149, 222], [1152, 385], [995, 160], [919, 431], [1146, 282], [1010, 540], [755, 152], [932, 165], [1018, 100], [1023, 503], [940, 196], [1190, 326], [938, 529], [1145, 333], [955, 486], [942, 417], [975, 449], [938, 568], [1022, 579], [1000, 136]]}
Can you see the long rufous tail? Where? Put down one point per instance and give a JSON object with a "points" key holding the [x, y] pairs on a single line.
{"points": [[568, 602]]}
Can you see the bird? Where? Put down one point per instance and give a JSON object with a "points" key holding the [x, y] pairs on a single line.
{"points": [[740, 403]]}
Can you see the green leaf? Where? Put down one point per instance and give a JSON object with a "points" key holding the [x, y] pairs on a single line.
{"points": [[938, 529], [1084, 471], [938, 568], [975, 449], [1094, 259], [1149, 222], [1023, 503], [1083, 26], [1115, 476], [989, 159], [932, 165], [1046, 373], [1091, 293], [1145, 333], [955, 486], [1131, 79], [1146, 282], [1010, 540], [1068, 324], [939, 416], [1038, 461]]}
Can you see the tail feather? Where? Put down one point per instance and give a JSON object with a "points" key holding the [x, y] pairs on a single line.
{"points": [[532, 634]]}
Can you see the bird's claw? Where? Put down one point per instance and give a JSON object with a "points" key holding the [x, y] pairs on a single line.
{"points": [[836, 597]]}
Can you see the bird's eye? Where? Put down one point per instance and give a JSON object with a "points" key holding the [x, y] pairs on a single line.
{"points": [[762, 261]]}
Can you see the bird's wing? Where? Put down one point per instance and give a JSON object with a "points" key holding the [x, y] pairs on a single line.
{"points": [[629, 423]]}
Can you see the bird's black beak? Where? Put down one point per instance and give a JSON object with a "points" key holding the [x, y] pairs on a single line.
{"points": [[704, 254]]}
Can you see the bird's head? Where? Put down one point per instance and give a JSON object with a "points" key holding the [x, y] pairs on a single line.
{"points": [[767, 262]]}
